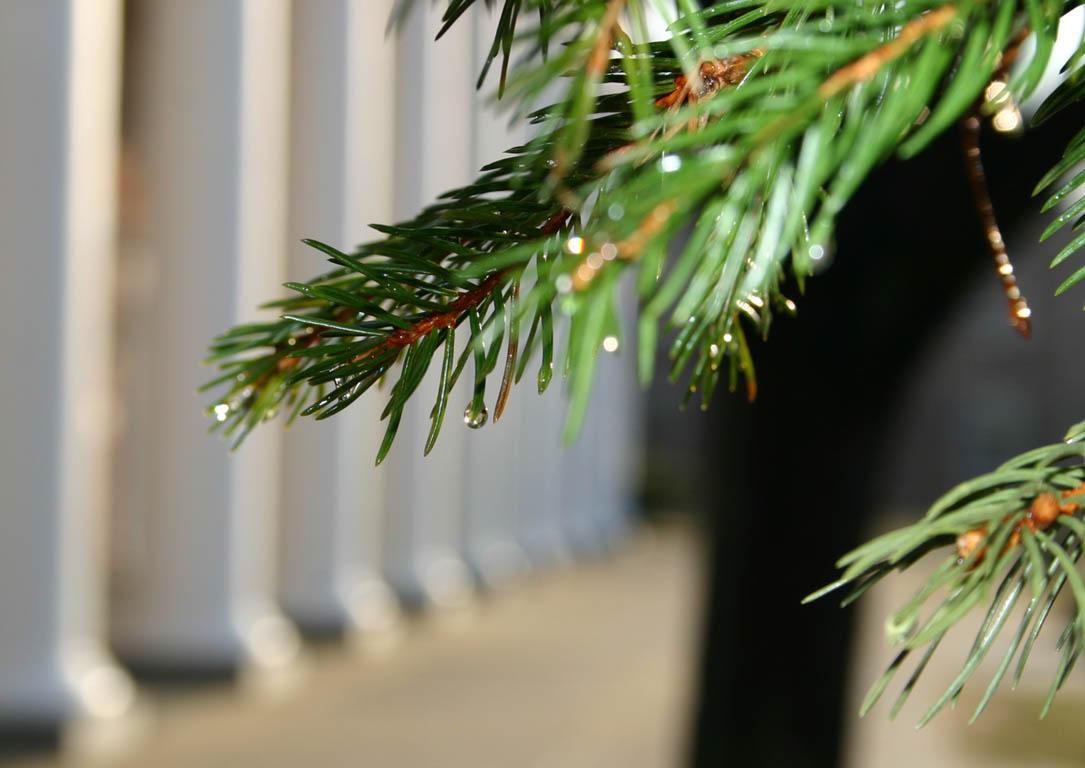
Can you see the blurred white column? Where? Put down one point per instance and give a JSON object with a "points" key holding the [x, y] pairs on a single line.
{"points": [[493, 453], [59, 96], [622, 451], [341, 174], [434, 103], [602, 468], [539, 510], [583, 490], [209, 130]]}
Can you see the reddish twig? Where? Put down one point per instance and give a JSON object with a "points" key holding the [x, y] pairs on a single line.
{"points": [[1042, 513], [441, 318], [1017, 308]]}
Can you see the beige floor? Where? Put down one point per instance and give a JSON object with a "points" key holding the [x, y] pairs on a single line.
{"points": [[590, 667]]}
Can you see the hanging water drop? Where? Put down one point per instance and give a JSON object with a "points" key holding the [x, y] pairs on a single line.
{"points": [[545, 374], [475, 420]]}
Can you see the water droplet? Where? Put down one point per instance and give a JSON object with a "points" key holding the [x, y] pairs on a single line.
{"points": [[475, 420], [817, 252], [545, 374], [222, 410], [615, 211], [610, 343], [241, 399]]}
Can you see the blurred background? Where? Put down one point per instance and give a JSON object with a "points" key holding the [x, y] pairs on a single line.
{"points": [[631, 600]]}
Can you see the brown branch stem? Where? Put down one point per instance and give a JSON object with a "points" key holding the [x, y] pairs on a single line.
{"points": [[443, 318], [1017, 308], [868, 65]]}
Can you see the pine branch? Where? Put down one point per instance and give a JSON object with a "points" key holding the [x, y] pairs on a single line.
{"points": [[1019, 527], [755, 122], [710, 167]]}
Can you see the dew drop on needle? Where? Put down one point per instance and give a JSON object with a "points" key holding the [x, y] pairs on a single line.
{"points": [[475, 420]]}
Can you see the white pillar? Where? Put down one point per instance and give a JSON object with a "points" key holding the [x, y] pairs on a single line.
{"points": [[603, 468], [540, 511], [208, 124], [59, 97], [582, 489], [539, 508], [341, 173], [490, 544], [425, 495]]}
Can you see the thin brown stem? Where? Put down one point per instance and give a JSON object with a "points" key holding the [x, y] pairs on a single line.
{"points": [[868, 65], [1017, 308], [443, 318], [510, 355]]}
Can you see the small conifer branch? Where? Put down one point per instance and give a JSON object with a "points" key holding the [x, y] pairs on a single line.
{"points": [[1029, 512]]}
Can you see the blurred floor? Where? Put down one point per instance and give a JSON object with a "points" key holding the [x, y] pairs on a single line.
{"points": [[590, 666]]}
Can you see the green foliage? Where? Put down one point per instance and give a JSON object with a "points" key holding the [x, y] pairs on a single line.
{"points": [[720, 201], [1034, 564]]}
